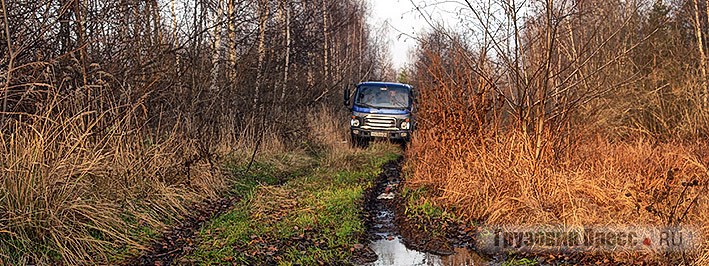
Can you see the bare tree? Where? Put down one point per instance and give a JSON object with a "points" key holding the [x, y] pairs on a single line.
{"points": [[10, 60], [285, 15], [700, 47], [263, 10]]}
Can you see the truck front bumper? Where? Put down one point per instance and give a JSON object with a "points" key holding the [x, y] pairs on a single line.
{"points": [[388, 134]]}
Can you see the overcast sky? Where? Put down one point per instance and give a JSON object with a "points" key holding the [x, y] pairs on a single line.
{"points": [[400, 16]]}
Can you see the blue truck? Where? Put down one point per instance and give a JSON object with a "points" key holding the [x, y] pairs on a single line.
{"points": [[380, 110]]}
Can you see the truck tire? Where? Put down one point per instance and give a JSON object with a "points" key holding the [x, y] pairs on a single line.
{"points": [[358, 142]]}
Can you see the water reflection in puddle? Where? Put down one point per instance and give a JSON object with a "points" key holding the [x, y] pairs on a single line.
{"points": [[394, 253]]}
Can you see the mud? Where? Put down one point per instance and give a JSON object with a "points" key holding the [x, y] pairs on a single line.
{"points": [[179, 239], [395, 240]]}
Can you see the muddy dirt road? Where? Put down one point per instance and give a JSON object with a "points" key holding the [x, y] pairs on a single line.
{"points": [[391, 238]]}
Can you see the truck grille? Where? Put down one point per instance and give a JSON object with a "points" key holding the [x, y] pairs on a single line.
{"points": [[379, 122]]}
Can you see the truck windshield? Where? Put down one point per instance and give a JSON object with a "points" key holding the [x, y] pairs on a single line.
{"points": [[383, 97]]}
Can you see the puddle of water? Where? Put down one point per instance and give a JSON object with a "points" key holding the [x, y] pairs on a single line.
{"points": [[388, 244], [394, 253]]}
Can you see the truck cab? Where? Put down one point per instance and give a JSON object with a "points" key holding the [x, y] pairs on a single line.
{"points": [[380, 110]]}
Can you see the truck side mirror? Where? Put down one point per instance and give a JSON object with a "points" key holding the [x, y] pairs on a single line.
{"points": [[346, 94]]}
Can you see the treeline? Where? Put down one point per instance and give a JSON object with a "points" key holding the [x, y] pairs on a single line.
{"points": [[629, 68], [115, 115], [205, 64]]}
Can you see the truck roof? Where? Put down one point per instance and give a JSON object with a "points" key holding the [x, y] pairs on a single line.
{"points": [[381, 83]]}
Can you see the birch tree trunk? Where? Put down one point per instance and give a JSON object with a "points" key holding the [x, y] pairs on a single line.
{"points": [[174, 22], [64, 34], [360, 47], [326, 47], [217, 46], [157, 24], [702, 53], [231, 34], [175, 41], [263, 18], [79, 31], [286, 61], [705, 77]]}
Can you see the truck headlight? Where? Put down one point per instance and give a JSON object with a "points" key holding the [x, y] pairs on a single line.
{"points": [[354, 122], [405, 125]]}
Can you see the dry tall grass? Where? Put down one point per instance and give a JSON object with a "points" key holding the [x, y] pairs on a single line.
{"points": [[330, 131], [71, 194], [494, 179], [599, 183]]}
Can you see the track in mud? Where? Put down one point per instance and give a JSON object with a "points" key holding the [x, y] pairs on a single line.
{"points": [[179, 240], [383, 208]]}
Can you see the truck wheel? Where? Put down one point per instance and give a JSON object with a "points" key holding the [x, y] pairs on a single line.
{"points": [[354, 141], [364, 143], [358, 142]]}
